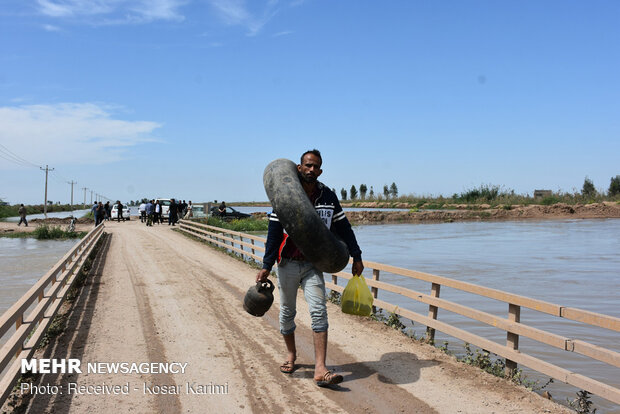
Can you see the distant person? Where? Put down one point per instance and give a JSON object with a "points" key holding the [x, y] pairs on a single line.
{"points": [[189, 213], [22, 215], [94, 210], [99, 214], [172, 212], [222, 209], [142, 210], [119, 215], [108, 210], [150, 212], [157, 215]]}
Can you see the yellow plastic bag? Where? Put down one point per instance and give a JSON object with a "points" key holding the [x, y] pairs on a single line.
{"points": [[356, 298]]}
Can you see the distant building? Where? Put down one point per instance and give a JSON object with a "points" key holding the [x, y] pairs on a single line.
{"points": [[542, 193]]}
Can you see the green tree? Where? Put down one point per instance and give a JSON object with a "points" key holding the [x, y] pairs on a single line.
{"points": [[363, 190], [343, 194], [386, 191], [394, 190], [372, 192], [353, 192], [614, 186], [588, 189]]}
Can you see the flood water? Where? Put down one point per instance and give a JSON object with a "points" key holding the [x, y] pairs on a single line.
{"points": [[23, 261], [573, 263]]}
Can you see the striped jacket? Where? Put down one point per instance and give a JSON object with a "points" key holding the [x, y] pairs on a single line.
{"points": [[329, 210]]}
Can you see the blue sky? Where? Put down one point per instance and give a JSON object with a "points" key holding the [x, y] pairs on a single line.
{"points": [[193, 98]]}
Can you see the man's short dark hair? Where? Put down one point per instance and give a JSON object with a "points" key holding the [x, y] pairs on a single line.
{"points": [[313, 152]]}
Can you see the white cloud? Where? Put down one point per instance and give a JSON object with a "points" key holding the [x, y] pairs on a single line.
{"points": [[113, 11], [51, 28], [75, 133], [236, 12], [231, 11], [252, 15], [68, 8], [284, 33], [159, 9]]}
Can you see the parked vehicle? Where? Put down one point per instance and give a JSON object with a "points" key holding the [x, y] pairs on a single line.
{"points": [[165, 206], [229, 214], [198, 211], [114, 213]]}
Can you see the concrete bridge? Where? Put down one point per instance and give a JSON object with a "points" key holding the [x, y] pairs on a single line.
{"points": [[158, 326]]}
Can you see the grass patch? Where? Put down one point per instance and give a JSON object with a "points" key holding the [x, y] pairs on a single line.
{"points": [[484, 193], [45, 232], [433, 206], [550, 200], [494, 195], [496, 365], [582, 404], [249, 224], [17, 235], [56, 328]]}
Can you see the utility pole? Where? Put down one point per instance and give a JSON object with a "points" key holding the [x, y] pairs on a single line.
{"points": [[46, 171], [84, 188], [72, 182]]}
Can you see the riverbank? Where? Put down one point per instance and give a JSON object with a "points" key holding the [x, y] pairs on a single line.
{"points": [[12, 211], [485, 213], [482, 212], [9, 229]]}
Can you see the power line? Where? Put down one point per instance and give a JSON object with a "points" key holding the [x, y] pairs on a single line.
{"points": [[9, 155], [16, 158], [56, 173]]}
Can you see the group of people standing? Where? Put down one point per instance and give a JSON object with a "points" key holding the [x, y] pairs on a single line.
{"points": [[183, 210], [103, 212], [153, 212]]}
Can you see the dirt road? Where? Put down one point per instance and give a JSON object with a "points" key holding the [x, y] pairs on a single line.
{"points": [[161, 297]]}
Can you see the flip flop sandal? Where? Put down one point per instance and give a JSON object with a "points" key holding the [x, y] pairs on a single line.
{"points": [[288, 367], [328, 379]]}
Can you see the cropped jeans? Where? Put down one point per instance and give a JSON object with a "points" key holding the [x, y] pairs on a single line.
{"points": [[291, 275]]}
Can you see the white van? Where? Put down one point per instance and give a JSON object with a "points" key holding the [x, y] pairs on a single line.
{"points": [[126, 213], [165, 206]]}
